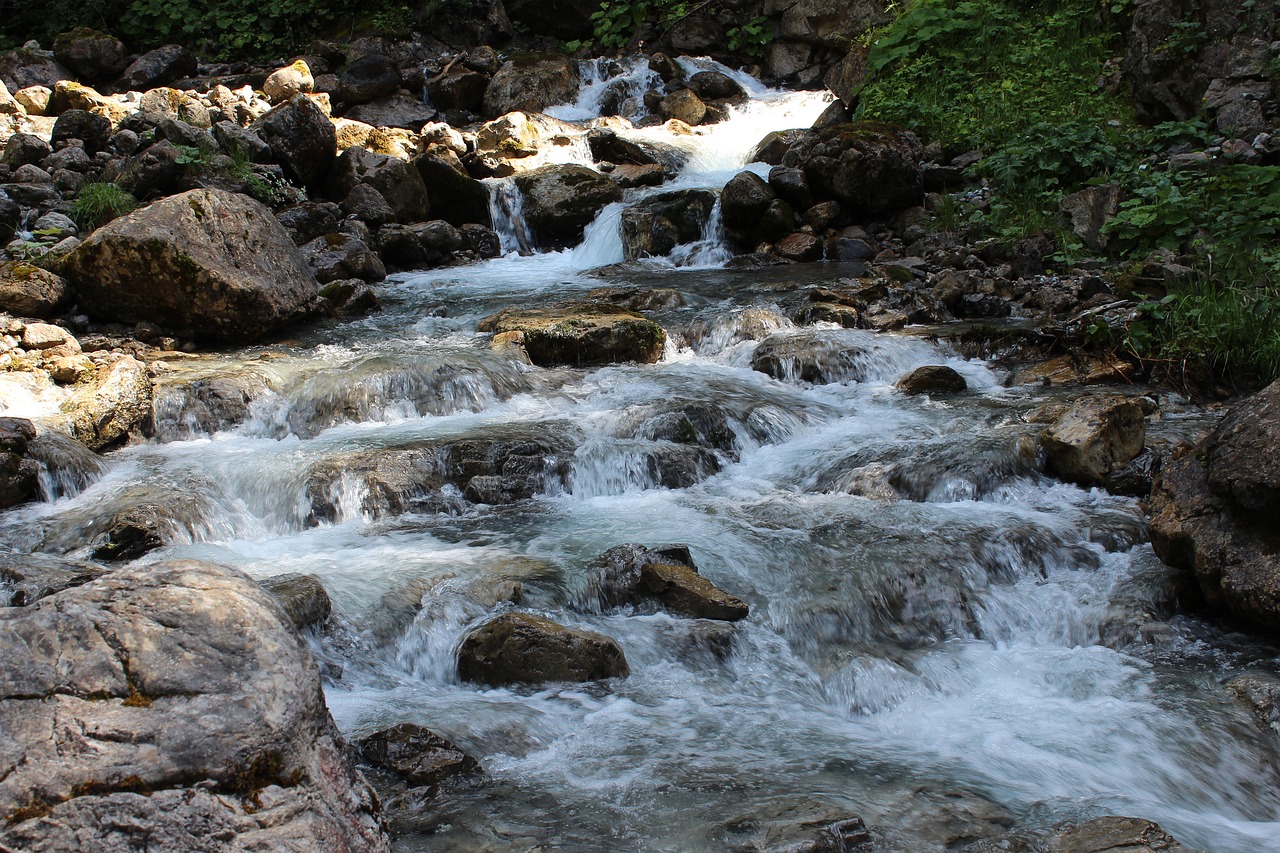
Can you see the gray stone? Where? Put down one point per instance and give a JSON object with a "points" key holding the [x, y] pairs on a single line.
{"points": [[1094, 437], [520, 648], [303, 597], [560, 201], [116, 403]]}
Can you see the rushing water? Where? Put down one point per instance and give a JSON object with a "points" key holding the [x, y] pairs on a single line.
{"points": [[942, 640]]}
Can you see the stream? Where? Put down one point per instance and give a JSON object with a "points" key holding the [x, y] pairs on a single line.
{"points": [[943, 640]]}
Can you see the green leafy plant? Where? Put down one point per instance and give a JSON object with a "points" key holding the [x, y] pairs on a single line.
{"points": [[750, 38], [99, 202]]}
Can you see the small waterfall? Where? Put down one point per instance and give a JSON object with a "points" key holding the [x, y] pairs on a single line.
{"points": [[506, 209], [710, 251], [610, 87], [601, 241]]}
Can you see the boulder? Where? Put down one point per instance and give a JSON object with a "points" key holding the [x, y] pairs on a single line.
{"points": [[752, 213], [397, 110], [933, 379], [458, 198], [683, 105], [206, 264], [91, 54], [19, 476], [302, 139], [26, 67], [580, 334], [111, 407], [311, 219], [459, 89], [158, 67], [396, 181], [368, 78], [636, 575], [341, 256], [1258, 691], [532, 84], [1094, 437], [520, 648], [302, 597], [1213, 512], [132, 532], [219, 739], [367, 205], [829, 23], [175, 104], [283, 83], [34, 99], [872, 169], [1089, 210], [815, 357], [91, 129], [426, 243], [417, 755], [27, 578], [800, 247], [1115, 835], [29, 291], [9, 105], [25, 149], [656, 225], [560, 201]]}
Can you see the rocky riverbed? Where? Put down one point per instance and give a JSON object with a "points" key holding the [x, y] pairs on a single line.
{"points": [[627, 455]]}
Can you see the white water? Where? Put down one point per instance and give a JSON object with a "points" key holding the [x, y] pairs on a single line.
{"points": [[937, 629]]}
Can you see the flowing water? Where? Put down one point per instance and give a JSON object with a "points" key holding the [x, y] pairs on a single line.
{"points": [[942, 640]]}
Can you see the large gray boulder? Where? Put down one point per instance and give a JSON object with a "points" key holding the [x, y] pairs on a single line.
{"points": [[532, 85], [175, 708], [207, 264], [302, 139], [1213, 512], [397, 181], [561, 201], [872, 169], [91, 54], [655, 226]]}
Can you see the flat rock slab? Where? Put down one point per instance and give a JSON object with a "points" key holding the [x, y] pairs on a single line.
{"points": [[581, 334]]}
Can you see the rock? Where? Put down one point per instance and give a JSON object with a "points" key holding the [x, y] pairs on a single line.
{"points": [[430, 243], [560, 201], [799, 247], [341, 256], [56, 226], [132, 532], [744, 201], [1094, 437], [368, 78], [933, 379], [714, 86], [532, 84], [189, 407], [91, 54], [19, 476], [659, 223], [29, 291], [176, 104], [1259, 691], [396, 181], [457, 197], [27, 578], [417, 755], [302, 139], [93, 130], [34, 99], [158, 67], [26, 67], [207, 264], [520, 648], [116, 403], [808, 357], [154, 172], [1116, 835], [198, 677], [634, 574], [459, 89], [43, 336], [311, 219], [1213, 509], [9, 105], [1089, 210], [303, 598], [283, 83], [23, 149], [872, 169], [397, 110], [581, 334], [683, 105], [367, 205], [350, 297]]}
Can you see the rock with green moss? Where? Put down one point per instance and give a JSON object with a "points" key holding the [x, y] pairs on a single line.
{"points": [[29, 291], [207, 265], [561, 201], [91, 54], [532, 83], [121, 693], [581, 334]]}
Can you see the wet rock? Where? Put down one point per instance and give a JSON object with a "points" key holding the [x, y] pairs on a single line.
{"points": [[350, 297], [207, 264], [133, 532], [743, 203], [560, 201], [933, 379], [1213, 511], [394, 179], [1116, 835], [457, 198], [197, 676], [303, 597], [283, 83], [520, 648], [714, 86], [799, 247], [872, 169], [808, 357], [27, 578], [656, 225], [429, 243], [302, 140], [1259, 691], [1094, 437], [1137, 477], [367, 205], [532, 84], [158, 67], [114, 405], [581, 334], [18, 475], [637, 575], [368, 78], [839, 837], [683, 105], [341, 256], [29, 291], [188, 407], [417, 755], [1075, 369]]}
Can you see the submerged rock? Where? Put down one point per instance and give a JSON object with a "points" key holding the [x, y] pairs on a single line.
{"points": [[18, 474], [303, 597], [206, 264], [634, 574], [581, 334], [520, 648], [417, 755], [656, 225], [1213, 511], [809, 357], [1094, 437], [27, 578], [219, 739]]}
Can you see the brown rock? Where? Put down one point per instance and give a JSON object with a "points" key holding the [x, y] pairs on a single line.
{"points": [[417, 755], [1095, 436], [522, 648], [933, 379], [581, 334]]}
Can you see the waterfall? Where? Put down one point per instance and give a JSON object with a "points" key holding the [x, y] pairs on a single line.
{"points": [[506, 210]]}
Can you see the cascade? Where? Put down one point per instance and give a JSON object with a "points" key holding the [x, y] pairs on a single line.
{"points": [[942, 639]]}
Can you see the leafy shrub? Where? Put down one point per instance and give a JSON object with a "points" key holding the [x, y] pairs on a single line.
{"points": [[98, 203]]}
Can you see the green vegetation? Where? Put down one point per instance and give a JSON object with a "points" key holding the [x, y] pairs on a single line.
{"points": [[99, 202], [1018, 80]]}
